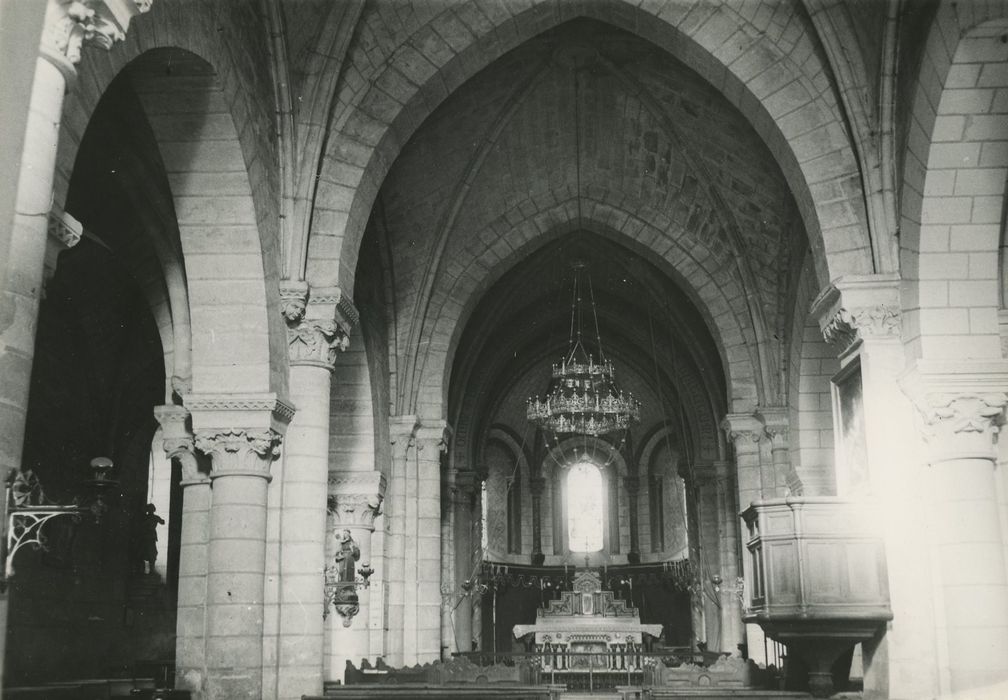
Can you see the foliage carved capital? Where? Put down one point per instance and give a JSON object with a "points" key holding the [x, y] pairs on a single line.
{"points": [[355, 498], [316, 343], [960, 406], [239, 452], [71, 24], [849, 325]]}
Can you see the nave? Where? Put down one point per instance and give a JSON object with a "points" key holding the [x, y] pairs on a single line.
{"points": [[340, 343]]}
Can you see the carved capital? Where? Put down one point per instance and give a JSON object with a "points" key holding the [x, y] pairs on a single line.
{"points": [[318, 323], [849, 325], [959, 426], [64, 229], [69, 24], [960, 406], [293, 300], [336, 304], [314, 334], [238, 452], [434, 436], [178, 441], [64, 232], [174, 421], [402, 434], [355, 498], [859, 307], [315, 343], [776, 425], [354, 510], [743, 429]]}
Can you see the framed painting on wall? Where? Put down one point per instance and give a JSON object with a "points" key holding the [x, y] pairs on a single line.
{"points": [[849, 431]]}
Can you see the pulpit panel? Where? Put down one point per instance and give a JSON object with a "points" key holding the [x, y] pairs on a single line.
{"points": [[827, 572], [782, 573]]}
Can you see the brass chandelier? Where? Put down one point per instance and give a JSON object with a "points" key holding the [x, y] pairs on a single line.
{"points": [[583, 397]]}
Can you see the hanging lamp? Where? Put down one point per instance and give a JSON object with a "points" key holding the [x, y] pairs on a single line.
{"points": [[583, 397]]}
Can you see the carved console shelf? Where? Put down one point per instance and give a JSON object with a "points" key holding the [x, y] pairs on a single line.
{"points": [[818, 580]]}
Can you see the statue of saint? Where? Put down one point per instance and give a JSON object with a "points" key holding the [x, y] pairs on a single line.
{"points": [[347, 556], [148, 538]]}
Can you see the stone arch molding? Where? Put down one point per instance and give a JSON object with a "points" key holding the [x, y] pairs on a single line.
{"points": [[593, 450], [954, 187], [712, 289], [664, 436], [777, 82], [220, 269], [506, 439]]}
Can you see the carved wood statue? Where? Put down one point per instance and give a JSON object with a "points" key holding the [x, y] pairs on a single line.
{"points": [[346, 558]]}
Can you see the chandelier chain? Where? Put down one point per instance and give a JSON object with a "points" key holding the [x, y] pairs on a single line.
{"points": [[577, 142], [583, 397]]}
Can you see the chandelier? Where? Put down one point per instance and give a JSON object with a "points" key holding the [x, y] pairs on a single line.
{"points": [[583, 397]]}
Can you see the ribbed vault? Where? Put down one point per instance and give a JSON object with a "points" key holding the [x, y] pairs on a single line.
{"points": [[560, 135]]}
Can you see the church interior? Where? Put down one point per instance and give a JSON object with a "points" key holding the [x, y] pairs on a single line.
{"points": [[503, 348]]}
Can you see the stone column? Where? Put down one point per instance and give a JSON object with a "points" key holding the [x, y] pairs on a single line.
{"points": [[477, 539], [537, 486], [318, 328], [449, 582], [422, 619], [241, 459], [860, 318], [962, 408], [632, 485], [354, 501], [67, 27], [462, 496], [732, 629], [777, 428], [746, 432], [402, 435], [612, 481], [701, 522], [190, 639]]}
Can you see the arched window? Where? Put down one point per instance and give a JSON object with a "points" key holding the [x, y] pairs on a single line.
{"points": [[585, 508]]}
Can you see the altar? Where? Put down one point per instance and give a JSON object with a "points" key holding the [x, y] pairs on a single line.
{"points": [[588, 629]]}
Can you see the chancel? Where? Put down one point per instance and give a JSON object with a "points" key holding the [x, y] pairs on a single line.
{"points": [[503, 348], [587, 626]]}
